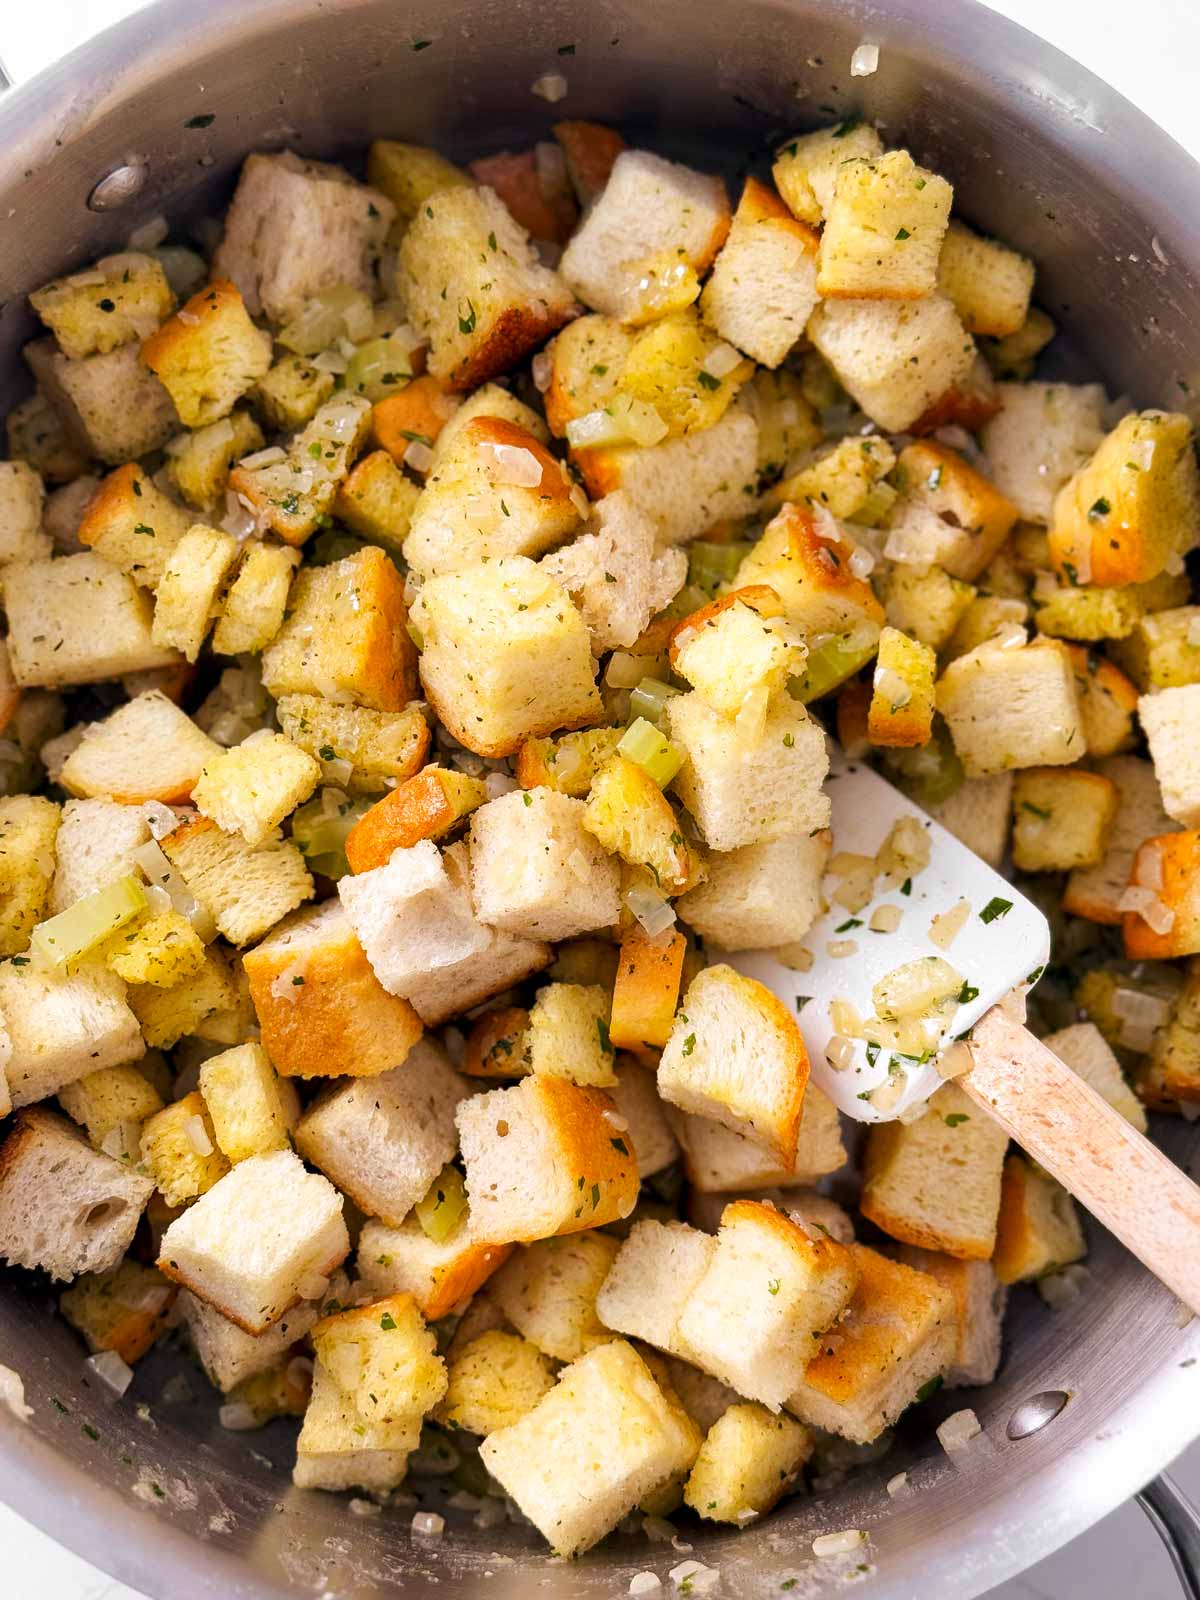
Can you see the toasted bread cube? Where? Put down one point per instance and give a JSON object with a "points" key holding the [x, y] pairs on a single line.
{"points": [[647, 208], [345, 638], [37, 434], [806, 168], [77, 620], [568, 1034], [440, 1276], [1095, 892], [895, 358], [589, 149], [162, 950], [743, 794], [28, 828], [602, 1439], [1159, 653], [979, 813], [454, 415], [646, 1126], [926, 604], [809, 571], [498, 1044], [736, 1055], [296, 227], [383, 1140], [167, 1014], [340, 1449], [111, 407], [1085, 1050], [106, 306], [64, 1207], [744, 628], [384, 1358], [1039, 1230], [419, 412], [646, 990], [199, 463], [189, 589], [377, 500], [180, 1152], [988, 618], [1174, 1059], [125, 1309], [788, 1286], [383, 748], [230, 1357], [62, 1027], [1061, 820], [883, 231], [251, 788], [989, 284], [631, 817], [104, 1100], [132, 524], [1169, 869], [1042, 435], [719, 1159], [586, 360], [255, 604], [947, 514], [410, 174], [245, 889], [505, 655], [1132, 509], [761, 895], [541, 1159], [1013, 356], [145, 750], [899, 1332], [481, 305], [936, 1182], [1107, 701], [22, 498], [1012, 707], [293, 497], [534, 187], [1072, 611], [652, 1280], [427, 806], [843, 477], [814, 1211], [250, 1110], [979, 1304], [291, 393], [749, 1460], [494, 1381], [666, 368], [762, 289], [568, 764], [902, 701], [208, 354], [537, 870], [548, 1292], [298, 1233]]}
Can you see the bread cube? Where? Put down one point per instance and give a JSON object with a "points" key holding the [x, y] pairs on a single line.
{"points": [[440, 1276], [648, 207], [419, 412], [494, 1381], [22, 498], [644, 1117], [133, 525], [245, 889], [295, 496], [111, 408], [106, 306], [1013, 357], [1168, 869], [125, 1309], [145, 750], [250, 1110], [844, 477], [253, 787], [1061, 820], [339, 1449], [548, 1292], [770, 1290], [1039, 1229], [498, 1044], [161, 950], [895, 358], [883, 231], [808, 568], [322, 1011], [383, 748], [62, 1026], [1094, 892], [806, 168], [589, 149], [94, 846], [165, 1015], [978, 814], [1041, 436], [741, 794], [1173, 1063], [505, 655], [28, 826], [1158, 652], [718, 1159], [36, 434], [199, 463], [104, 1100], [291, 392], [902, 700], [899, 1333], [651, 1281], [667, 369], [947, 513], [189, 589], [762, 289], [410, 174], [230, 1357], [1168, 719], [586, 361], [646, 989], [427, 806], [761, 895], [179, 1150], [1012, 707], [472, 286], [736, 652], [542, 1158], [979, 1305], [592, 1448], [1083, 1047], [208, 354], [989, 284], [568, 764], [77, 620], [384, 1358], [259, 1235], [255, 604], [936, 1182], [1107, 700], [568, 1034], [631, 817], [377, 501], [1129, 512], [64, 1207], [749, 1460], [926, 604], [534, 187]]}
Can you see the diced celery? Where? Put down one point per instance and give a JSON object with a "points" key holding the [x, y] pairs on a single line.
{"points": [[711, 565], [649, 700], [929, 773], [320, 826], [652, 750], [379, 367], [91, 920], [444, 1208], [690, 598], [831, 663]]}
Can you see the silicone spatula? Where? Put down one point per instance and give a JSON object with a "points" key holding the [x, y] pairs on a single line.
{"points": [[1001, 947]]}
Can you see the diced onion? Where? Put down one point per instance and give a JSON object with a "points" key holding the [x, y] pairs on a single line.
{"points": [[796, 957], [839, 1052], [840, 948], [946, 926], [892, 687], [160, 819], [542, 368], [843, 1014], [864, 61], [112, 1371], [887, 1096], [197, 1136], [236, 1417], [325, 318], [239, 521], [1062, 1288], [498, 783], [1141, 1015], [551, 86], [1145, 903], [158, 870], [721, 360], [645, 1583], [428, 1525], [837, 1544], [1150, 869], [312, 1285], [12, 1394], [513, 464], [955, 1060], [270, 457], [897, 1485], [915, 988], [885, 919], [655, 914], [148, 234], [905, 852], [188, 318], [624, 671], [418, 456], [693, 1577], [861, 562], [958, 1430]]}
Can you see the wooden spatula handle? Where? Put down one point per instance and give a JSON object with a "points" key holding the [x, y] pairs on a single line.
{"points": [[1124, 1181]]}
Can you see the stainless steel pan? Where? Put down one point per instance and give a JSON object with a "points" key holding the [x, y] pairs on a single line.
{"points": [[155, 115]]}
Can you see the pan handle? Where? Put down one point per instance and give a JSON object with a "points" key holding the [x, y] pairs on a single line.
{"points": [[1177, 1523]]}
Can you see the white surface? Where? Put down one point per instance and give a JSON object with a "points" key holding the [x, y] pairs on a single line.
{"points": [[1152, 61]]}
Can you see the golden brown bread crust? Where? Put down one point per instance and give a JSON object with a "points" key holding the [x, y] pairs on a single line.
{"points": [[646, 991], [759, 597], [459, 1279], [485, 1055], [515, 177], [590, 150], [515, 332], [826, 562], [596, 1150], [1179, 855], [417, 809], [422, 408]]}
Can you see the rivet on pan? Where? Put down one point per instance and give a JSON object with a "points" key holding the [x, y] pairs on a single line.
{"points": [[119, 187], [1036, 1412]]}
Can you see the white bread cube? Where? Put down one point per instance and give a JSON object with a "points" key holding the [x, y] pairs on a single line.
{"points": [[568, 1033], [208, 354], [1169, 720], [1095, 892], [441, 1277], [979, 1304], [989, 284], [1086, 1051], [652, 1280], [383, 1140], [340, 1449], [505, 655], [296, 227], [250, 1245], [719, 1160], [1040, 437], [251, 788], [64, 1207], [1039, 1229], [246, 890], [616, 575], [199, 462], [190, 587], [761, 895], [94, 846], [978, 814], [749, 1460], [602, 1439], [947, 515], [147, 749], [64, 511], [111, 407], [37, 434], [384, 748], [472, 285], [1010, 708], [77, 620], [899, 1332], [62, 1026], [22, 498], [109, 304], [535, 869], [762, 288], [883, 230], [745, 793], [133, 524], [648, 208], [229, 1355], [251, 1110], [548, 1292], [29, 826], [771, 1288], [735, 1055], [635, 1094], [936, 1182], [895, 358], [494, 1380], [254, 605], [544, 1158], [806, 168]]}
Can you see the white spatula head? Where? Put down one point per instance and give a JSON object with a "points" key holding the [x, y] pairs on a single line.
{"points": [[1002, 943]]}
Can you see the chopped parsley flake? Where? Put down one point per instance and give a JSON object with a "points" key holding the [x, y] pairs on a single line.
{"points": [[995, 909]]}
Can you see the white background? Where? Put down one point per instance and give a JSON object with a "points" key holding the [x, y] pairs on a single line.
{"points": [[1150, 53]]}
